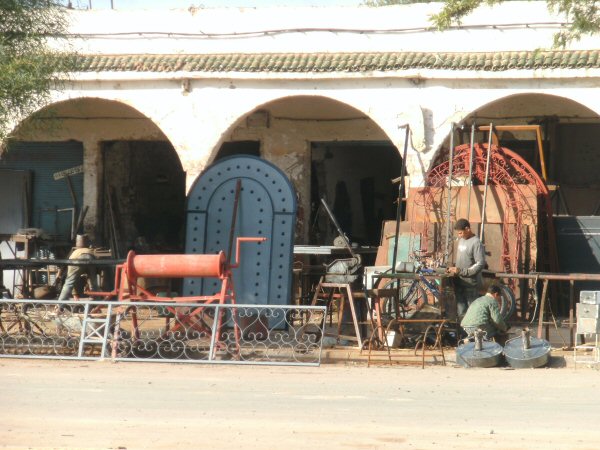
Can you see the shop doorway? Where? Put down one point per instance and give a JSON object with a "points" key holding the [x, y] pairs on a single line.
{"points": [[355, 178]]}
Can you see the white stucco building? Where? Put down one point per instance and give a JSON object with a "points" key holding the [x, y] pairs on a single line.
{"points": [[323, 93]]}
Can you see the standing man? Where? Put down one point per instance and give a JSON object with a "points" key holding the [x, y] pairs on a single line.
{"points": [[484, 313], [470, 261], [73, 281]]}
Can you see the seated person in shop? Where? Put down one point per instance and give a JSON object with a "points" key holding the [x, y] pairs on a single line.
{"points": [[484, 313], [74, 282]]}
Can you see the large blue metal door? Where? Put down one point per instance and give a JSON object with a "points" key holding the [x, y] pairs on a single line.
{"points": [[266, 208]]}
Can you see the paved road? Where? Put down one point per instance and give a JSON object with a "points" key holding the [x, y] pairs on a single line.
{"points": [[53, 404]]}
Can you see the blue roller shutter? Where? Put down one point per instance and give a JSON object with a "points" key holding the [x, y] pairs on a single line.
{"points": [[49, 196]]}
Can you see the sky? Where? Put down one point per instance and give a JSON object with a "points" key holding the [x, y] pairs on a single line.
{"points": [[168, 4]]}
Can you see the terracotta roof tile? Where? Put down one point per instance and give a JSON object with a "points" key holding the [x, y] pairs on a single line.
{"points": [[341, 62]]}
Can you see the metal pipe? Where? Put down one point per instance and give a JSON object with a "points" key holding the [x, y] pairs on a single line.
{"points": [[571, 312], [552, 276], [401, 188], [538, 135], [526, 335], [236, 199], [81, 218], [485, 184], [473, 126], [175, 266], [449, 201], [15, 264], [113, 226], [237, 248], [542, 308], [337, 226], [478, 339]]}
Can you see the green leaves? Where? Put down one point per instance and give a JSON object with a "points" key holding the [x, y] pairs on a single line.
{"points": [[34, 56], [583, 16]]}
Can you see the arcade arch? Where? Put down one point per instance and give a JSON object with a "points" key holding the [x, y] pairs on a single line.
{"points": [[570, 135], [125, 157], [328, 149]]}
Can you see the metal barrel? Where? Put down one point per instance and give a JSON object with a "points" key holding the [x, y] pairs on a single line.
{"points": [[175, 266]]}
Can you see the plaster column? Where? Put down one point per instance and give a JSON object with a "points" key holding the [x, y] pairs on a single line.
{"points": [[92, 186]]}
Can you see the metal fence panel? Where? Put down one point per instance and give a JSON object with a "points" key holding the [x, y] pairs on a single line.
{"points": [[162, 332]]}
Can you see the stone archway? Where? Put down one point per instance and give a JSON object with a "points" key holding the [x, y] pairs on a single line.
{"points": [[570, 133], [321, 143], [125, 156]]}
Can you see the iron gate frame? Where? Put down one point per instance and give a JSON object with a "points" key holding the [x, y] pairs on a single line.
{"points": [[307, 317]]}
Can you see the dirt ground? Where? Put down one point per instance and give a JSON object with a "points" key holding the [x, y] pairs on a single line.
{"points": [[104, 405]]}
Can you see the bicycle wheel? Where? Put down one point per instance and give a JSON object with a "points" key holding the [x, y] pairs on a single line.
{"points": [[507, 302], [412, 297]]}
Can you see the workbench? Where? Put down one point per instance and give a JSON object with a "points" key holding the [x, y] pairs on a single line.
{"points": [[31, 267]]}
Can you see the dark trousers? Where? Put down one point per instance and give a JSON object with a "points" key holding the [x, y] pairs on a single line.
{"points": [[465, 295]]}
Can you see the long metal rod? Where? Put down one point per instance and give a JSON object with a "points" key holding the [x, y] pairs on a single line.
{"points": [[236, 199], [551, 276], [485, 184], [542, 309], [113, 225], [473, 126], [540, 142], [15, 264], [401, 187], [81, 218], [337, 226], [449, 201], [213, 337], [399, 209], [571, 313]]}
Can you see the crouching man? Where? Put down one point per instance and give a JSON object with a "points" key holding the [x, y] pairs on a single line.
{"points": [[484, 313]]}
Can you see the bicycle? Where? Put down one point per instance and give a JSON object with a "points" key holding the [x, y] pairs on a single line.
{"points": [[413, 293], [408, 291]]}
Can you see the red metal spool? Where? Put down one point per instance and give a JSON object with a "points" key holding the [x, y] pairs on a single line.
{"points": [[175, 266]]}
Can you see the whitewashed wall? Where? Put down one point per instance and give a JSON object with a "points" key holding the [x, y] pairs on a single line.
{"points": [[198, 119]]}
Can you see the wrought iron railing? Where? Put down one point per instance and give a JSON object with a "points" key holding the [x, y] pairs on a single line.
{"points": [[167, 332]]}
